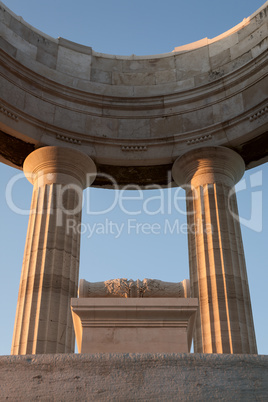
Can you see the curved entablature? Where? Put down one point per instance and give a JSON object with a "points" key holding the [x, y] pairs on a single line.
{"points": [[134, 115]]}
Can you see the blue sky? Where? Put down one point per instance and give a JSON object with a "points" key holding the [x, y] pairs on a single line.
{"points": [[124, 28]]}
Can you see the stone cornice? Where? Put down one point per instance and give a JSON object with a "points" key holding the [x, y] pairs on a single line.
{"points": [[135, 111]]}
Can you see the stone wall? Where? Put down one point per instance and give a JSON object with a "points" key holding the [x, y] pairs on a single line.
{"points": [[125, 377]]}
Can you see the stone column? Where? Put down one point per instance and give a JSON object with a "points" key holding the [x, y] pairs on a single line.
{"points": [[218, 274], [49, 276]]}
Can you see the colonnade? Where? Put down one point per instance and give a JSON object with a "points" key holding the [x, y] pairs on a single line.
{"points": [[218, 275]]}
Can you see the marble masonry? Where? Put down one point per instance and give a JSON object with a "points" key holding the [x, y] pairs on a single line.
{"points": [[72, 118], [126, 316], [49, 277], [137, 289], [217, 262], [196, 117]]}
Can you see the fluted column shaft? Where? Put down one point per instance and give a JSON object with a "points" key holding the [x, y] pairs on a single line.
{"points": [[218, 274], [49, 278]]}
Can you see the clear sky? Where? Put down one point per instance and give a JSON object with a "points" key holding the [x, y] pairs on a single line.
{"points": [[127, 27]]}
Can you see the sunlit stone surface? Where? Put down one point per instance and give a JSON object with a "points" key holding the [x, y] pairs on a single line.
{"points": [[217, 264], [126, 316], [128, 288], [49, 276], [134, 116], [134, 325], [134, 377]]}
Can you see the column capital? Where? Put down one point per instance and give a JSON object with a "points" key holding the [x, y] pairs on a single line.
{"points": [[206, 165], [52, 164]]}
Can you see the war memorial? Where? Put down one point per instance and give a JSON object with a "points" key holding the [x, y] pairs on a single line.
{"points": [[71, 118]]}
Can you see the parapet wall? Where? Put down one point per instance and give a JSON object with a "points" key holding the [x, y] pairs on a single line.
{"points": [[133, 377], [80, 67]]}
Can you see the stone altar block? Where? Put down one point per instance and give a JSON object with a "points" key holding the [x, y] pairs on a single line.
{"points": [[134, 325]]}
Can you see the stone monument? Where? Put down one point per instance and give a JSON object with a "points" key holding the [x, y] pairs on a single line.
{"points": [[126, 316], [195, 117]]}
